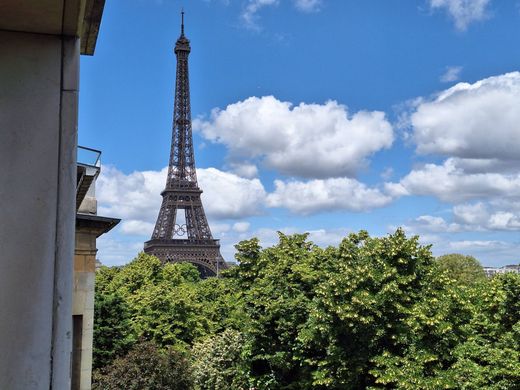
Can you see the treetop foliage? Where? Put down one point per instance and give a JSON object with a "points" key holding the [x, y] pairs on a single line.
{"points": [[370, 313], [465, 269]]}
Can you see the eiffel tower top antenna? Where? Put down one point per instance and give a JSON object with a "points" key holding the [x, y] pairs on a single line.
{"points": [[182, 21]]}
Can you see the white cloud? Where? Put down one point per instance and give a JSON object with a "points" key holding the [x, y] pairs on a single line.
{"points": [[113, 250], [475, 214], [327, 237], [490, 252], [323, 195], [387, 173], [269, 237], [477, 244], [227, 195], [504, 220], [486, 165], [308, 5], [436, 224], [219, 229], [484, 218], [489, 216], [463, 12], [477, 127], [450, 183], [479, 121], [307, 140], [246, 170], [136, 198], [241, 227], [321, 237], [249, 14], [136, 227], [451, 74]]}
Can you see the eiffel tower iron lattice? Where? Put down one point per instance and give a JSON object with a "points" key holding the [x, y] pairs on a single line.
{"points": [[194, 244]]}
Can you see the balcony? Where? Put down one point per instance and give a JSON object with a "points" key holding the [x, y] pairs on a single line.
{"points": [[88, 168]]}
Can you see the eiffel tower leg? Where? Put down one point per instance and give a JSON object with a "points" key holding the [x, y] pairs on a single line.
{"points": [[165, 220], [202, 222], [191, 225]]}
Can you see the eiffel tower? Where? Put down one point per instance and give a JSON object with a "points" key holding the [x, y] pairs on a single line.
{"points": [[175, 240]]}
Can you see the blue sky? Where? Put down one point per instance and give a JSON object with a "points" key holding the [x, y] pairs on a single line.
{"points": [[323, 116]]}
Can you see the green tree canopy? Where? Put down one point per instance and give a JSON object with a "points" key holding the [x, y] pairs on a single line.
{"points": [[112, 333], [373, 312], [489, 358], [465, 269]]}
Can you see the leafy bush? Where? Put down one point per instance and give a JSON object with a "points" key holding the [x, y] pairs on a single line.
{"points": [[145, 367]]}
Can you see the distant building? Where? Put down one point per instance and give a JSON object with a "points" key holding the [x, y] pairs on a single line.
{"points": [[492, 271], [89, 226]]}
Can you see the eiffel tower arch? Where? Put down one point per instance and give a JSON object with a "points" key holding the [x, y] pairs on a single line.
{"points": [[187, 239]]}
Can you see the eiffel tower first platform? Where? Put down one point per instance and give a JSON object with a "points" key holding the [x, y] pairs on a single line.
{"points": [[174, 239]]}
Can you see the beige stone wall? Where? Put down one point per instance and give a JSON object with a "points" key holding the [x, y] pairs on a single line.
{"points": [[83, 298]]}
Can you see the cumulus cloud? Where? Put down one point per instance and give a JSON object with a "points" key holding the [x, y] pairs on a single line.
{"points": [[114, 250], [463, 12], [135, 197], [451, 74], [477, 128], [219, 229], [227, 195], [430, 229], [136, 227], [430, 223], [250, 17], [307, 140], [458, 238], [489, 216], [321, 236], [308, 5], [478, 121], [241, 227], [475, 214], [450, 183], [323, 195], [464, 245], [249, 14], [387, 173], [243, 169]]}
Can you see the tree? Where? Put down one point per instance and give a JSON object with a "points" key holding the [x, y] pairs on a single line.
{"points": [[465, 269], [490, 356], [276, 286], [382, 315], [112, 333], [145, 367], [168, 314], [374, 312], [219, 362], [346, 317], [162, 300]]}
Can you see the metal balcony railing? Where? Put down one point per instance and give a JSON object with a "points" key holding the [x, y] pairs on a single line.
{"points": [[89, 157], [88, 168]]}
